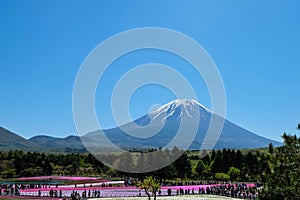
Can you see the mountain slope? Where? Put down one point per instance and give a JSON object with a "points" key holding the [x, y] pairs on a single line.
{"points": [[53, 142], [11, 141], [165, 121], [153, 130]]}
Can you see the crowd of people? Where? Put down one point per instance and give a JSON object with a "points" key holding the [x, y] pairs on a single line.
{"points": [[228, 190], [236, 190], [85, 194], [9, 189]]}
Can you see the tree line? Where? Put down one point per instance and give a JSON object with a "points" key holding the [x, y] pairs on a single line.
{"points": [[25, 164], [242, 167]]}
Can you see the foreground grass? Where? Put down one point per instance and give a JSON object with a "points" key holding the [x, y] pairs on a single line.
{"points": [[184, 197]]}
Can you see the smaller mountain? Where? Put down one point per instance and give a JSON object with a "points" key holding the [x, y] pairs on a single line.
{"points": [[73, 142], [41, 143], [12, 141]]}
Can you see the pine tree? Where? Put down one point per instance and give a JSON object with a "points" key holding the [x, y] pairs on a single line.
{"points": [[283, 178], [271, 148]]}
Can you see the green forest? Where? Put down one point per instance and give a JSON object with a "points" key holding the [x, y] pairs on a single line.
{"points": [[241, 166], [278, 169]]}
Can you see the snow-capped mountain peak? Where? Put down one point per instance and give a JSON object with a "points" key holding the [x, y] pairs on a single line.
{"points": [[160, 127], [179, 108]]}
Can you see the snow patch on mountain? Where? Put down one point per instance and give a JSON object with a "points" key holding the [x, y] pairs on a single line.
{"points": [[188, 108]]}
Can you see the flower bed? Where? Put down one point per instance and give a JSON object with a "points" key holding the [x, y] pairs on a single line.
{"points": [[65, 178], [120, 191]]}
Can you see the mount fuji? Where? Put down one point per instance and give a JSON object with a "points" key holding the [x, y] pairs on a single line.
{"points": [[160, 127]]}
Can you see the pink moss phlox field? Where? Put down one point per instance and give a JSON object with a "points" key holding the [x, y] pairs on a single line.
{"points": [[185, 187], [196, 187], [78, 188], [67, 178]]}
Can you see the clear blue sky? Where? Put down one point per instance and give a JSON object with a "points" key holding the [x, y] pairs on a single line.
{"points": [[255, 44]]}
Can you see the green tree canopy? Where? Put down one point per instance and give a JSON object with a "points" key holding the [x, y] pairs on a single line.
{"points": [[151, 186], [222, 176], [283, 177], [234, 172], [204, 168]]}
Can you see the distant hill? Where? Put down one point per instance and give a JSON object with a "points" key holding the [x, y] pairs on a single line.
{"points": [[11, 141], [52, 142]]}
